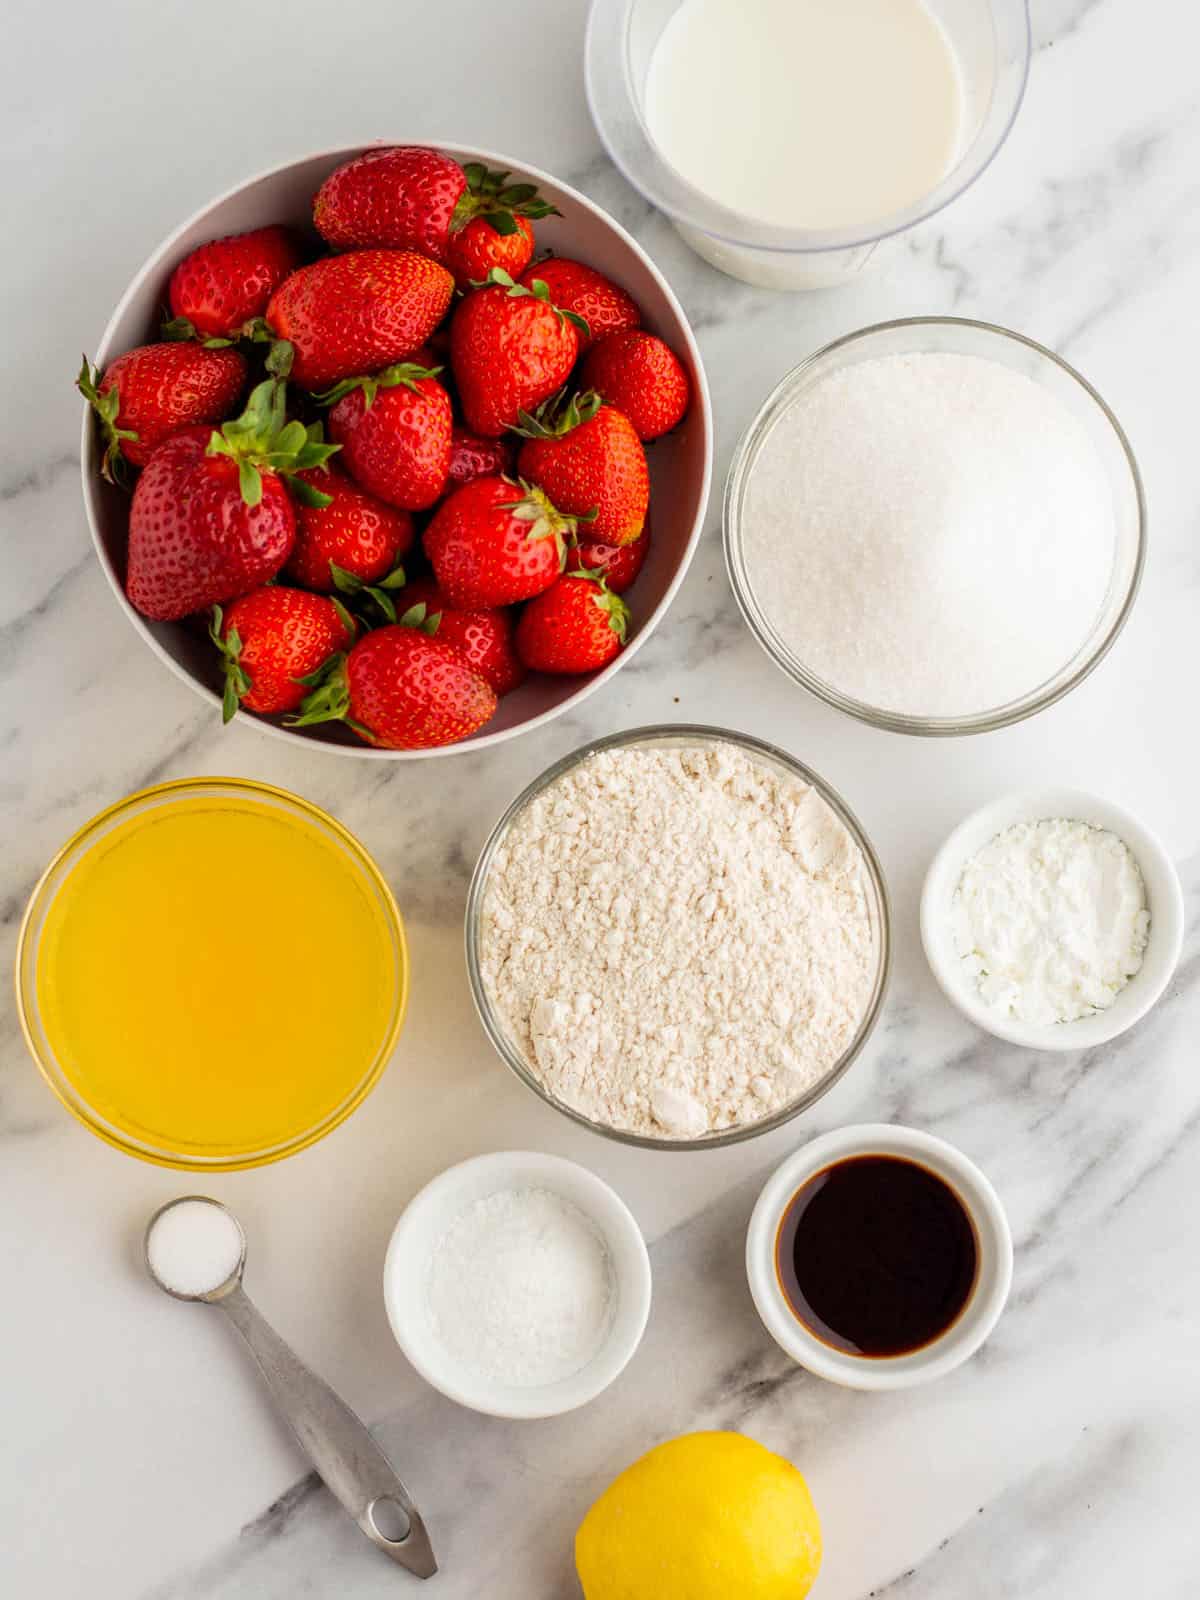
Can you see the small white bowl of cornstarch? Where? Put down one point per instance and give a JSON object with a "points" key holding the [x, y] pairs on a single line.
{"points": [[678, 937], [1052, 918]]}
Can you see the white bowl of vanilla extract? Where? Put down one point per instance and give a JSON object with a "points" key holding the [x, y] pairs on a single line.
{"points": [[879, 1257]]}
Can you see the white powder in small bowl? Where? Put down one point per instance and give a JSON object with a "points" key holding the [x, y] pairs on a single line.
{"points": [[678, 940], [929, 534], [521, 1288]]}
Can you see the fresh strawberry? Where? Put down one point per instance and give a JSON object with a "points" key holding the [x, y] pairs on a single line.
{"points": [[472, 456], [495, 542], [575, 287], [356, 313], [399, 689], [641, 376], [576, 626], [484, 637], [211, 518], [617, 564], [510, 349], [395, 431], [355, 532], [589, 460], [409, 197], [224, 285], [151, 392], [477, 248], [273, 638]]}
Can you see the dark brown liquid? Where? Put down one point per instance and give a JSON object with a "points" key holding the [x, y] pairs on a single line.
{"points": [[876, 1255]]}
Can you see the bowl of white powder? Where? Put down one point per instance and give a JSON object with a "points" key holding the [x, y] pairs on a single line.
{"points": [[678, 937], [1052, 919], [935, 525], [518, 1284]]}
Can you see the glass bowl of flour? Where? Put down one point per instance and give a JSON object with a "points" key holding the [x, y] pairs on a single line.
{"points": [[678, 937], [935, 525]]}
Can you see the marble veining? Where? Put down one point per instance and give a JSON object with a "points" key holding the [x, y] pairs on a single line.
{"points": [[140, 1462]]}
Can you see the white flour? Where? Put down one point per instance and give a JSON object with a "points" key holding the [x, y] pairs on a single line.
{"points": [[520, 1288], [930, 534], [678, 940], [1049, 920]]}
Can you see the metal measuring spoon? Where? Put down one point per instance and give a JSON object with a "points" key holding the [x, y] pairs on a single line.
{"points": [[335, 1440]]}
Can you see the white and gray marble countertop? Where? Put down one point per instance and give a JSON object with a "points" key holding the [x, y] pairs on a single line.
{"points": [[139, 1461]]}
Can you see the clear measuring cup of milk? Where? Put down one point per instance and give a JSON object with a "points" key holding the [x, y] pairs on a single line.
{"points": [[787, 139]]}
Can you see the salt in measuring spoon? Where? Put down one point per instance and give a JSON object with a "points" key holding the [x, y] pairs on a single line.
{"points": [[196, 1250]]}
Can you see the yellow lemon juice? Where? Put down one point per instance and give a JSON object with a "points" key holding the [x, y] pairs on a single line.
{"points": [[218, 975]]}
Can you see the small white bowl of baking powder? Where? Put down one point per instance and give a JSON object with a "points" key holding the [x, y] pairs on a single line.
{"points": [[518, 1284], [1052, 902]]}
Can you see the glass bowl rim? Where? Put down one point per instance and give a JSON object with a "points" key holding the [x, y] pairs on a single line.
{"points": [[41, 896], [681, 734], [689, 207], [1042, 695]]}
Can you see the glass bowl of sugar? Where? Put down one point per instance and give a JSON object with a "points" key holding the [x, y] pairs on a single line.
{"points": [[935, 525]]}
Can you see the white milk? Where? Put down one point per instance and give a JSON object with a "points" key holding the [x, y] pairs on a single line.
{"points": [[806, 113]]}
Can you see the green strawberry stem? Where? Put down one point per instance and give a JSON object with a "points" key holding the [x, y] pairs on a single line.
{"points": [[263, 440], [329, 696], [552, 418], [407, 373], [352, 585], [237, 681], [419, 617], [106, 406], [616, 609], [545, 520], [490, 195], [182, 328], [537, 289]]}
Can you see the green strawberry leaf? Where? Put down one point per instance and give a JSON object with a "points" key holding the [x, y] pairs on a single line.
{"points": [[419, 617], [237, 682], [329, 700], [179, 328], [250, 482], [306, 493], [113, 465], [262, 439]]}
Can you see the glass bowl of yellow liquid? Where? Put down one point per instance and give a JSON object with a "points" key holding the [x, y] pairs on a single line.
{"points": [[212, 974]]}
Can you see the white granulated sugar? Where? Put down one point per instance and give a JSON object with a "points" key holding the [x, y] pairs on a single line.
{"points": [[520, 1288], [678, 940], [930, 534], [1050, 921]]}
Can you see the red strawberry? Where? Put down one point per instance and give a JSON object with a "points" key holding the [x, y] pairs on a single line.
{"points": [[210, 517], [150, 393], [472, 456], [356, 313], [576, 626], [642, 377], [477, 248], [402, 690], [270, 640], [221, 286], [495, 542], [590, 462], [617, 564], [484, 637], [575, 287], [510, 349], [355, 531], [395, 431], [409, 197]]}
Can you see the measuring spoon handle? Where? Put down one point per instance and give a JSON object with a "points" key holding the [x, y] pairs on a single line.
{"points": [[336, 1441]]}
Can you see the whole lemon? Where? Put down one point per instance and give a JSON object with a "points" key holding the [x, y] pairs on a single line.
{"points": [[708, 1516]]}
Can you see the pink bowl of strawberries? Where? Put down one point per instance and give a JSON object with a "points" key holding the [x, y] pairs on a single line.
{"points": [[374, 441]]}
